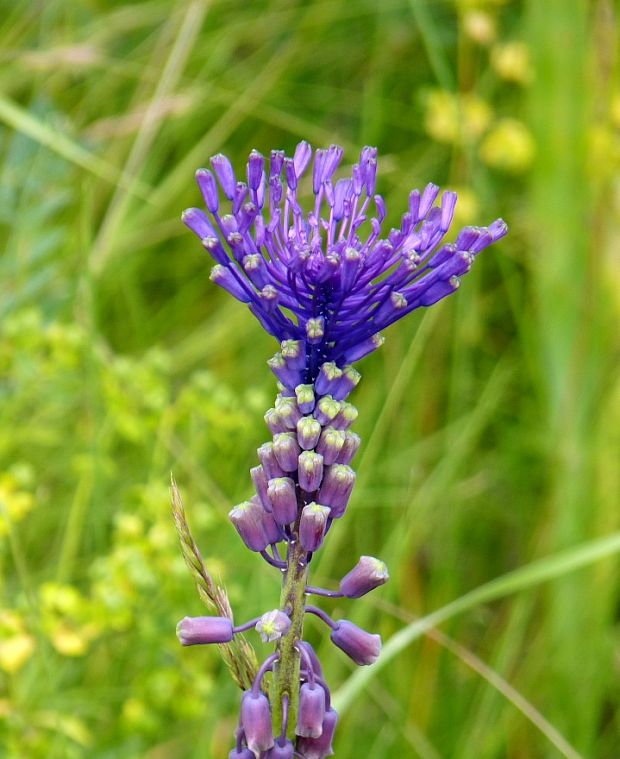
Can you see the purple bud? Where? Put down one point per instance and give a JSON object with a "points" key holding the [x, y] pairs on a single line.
{"points": [[273, 533], [192, 631], [330, 445], [349, 448], [289, 172], [302, 157], [381, 211], [223, 277], [326, 409], [310, 471], [431, 191], [281, 492], [283, 749], [273, 625], [311, 711], [315, 329], [348, 381], [352, 261], [225, 174], [256, 721], [308, 432], [289, 411], [498, 229], [259, 478], [198, 221], [286, 450], [256, 163], [288, 375], [268, 459], [208, 188], [359, 351], [275, 164], [448, 203], [328, 378], [342, 192], [269, 297], [275, 422], [345, 417], [336, 488], [215, 248], [319, 748], [363, 647], [254, 267], [305, 398], [247, 517], [312, 526], [294, 353], [369, 573], [317, 169]]}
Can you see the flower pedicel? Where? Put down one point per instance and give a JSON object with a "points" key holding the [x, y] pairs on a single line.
{"points": [[324, 282]]}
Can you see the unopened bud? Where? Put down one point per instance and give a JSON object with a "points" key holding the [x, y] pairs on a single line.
{"points": [[345, 417], [328, 378], [269, 462], [312, 526], [305, 398], [319, 748], [289, 411], [192, 631], [256, 721], [310, 471], [259, 478], [281, 493], [311, 711], [363, 647], [286, 450], [326, 409], [369, 573], [308, 432], [349, 448], [330, 444], [336, 488]]}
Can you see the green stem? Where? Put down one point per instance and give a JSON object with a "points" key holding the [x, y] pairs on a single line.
{"points": [[286, 673]]}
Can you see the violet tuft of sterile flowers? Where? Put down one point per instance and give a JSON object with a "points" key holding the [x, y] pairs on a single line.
{"points": [[329, 277]]}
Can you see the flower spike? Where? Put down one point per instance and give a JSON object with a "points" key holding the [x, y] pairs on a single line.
{"points": [[325, 281]]}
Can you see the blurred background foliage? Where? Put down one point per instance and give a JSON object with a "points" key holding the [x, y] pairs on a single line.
{"points": [[491, 423]]}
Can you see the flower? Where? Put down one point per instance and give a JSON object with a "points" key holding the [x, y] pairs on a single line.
{"points": [[369, 573], [329, 279], [324, 283], [192, 631], [273, 625]]}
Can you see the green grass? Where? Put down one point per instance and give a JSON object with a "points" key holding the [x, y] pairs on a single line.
{"points": [[488, 476]]}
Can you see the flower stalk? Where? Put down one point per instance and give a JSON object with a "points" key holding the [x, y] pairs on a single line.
{"points": [[293, 602]]}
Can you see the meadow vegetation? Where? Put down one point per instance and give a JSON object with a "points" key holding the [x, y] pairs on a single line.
{"points": [[490, 423]]}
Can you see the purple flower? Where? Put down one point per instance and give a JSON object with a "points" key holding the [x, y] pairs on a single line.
{"points": [[285, 261], [312, 526], [369, 573], [273, 625], [324, 281], [319, 748], [193, 631], [256, 721], [363, 647], [311, 711]]}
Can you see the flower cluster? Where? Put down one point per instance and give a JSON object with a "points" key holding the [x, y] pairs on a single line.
{"points": [[324, 283]]}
